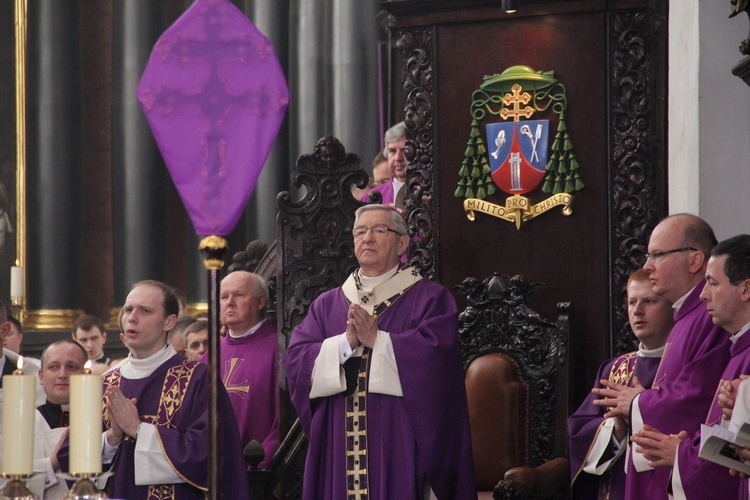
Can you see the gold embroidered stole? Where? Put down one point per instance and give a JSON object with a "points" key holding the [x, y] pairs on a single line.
{"points": [[375, 302], [174, 387]]}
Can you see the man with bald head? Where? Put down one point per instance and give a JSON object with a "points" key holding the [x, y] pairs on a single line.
{"points": [[695, 356], [250, 359]]}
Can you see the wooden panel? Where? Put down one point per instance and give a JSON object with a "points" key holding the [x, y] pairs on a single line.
{"points": [[609, 61]]}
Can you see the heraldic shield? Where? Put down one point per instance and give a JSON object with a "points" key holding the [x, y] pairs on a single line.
{"points": [[518, 154]]}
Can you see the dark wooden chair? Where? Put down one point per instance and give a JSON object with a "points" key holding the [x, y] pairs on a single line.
{"points": [[313, 252], [516, 384]]}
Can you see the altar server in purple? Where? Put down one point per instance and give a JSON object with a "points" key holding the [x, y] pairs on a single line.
{"points": [[596, 444], [375, 374], [727, 296], [694, 358], [156, 411], [250, 360]]}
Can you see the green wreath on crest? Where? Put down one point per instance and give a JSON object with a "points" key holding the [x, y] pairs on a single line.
{"points": [[562, 169]]}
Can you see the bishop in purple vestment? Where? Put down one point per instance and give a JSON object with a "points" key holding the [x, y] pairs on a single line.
{"points": [[596, 444], [375, 374]]}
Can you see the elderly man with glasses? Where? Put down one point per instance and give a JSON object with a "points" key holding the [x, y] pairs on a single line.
{"points": [[695, 356], [375, 374]]}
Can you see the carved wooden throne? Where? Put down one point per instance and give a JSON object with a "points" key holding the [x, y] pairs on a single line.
{"points": [[313, 252], [516, 384]]}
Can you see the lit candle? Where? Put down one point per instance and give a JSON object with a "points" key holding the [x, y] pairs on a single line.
{"points": [[19, 407], [16, 283], [86, 423]]}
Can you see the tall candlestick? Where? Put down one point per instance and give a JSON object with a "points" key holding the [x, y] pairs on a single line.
{"points": [[85, 423], [19, 406], [16, 284]]}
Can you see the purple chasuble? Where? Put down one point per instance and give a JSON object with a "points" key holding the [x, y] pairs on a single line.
{"points": [[584, 425], [175, 399], [695, 356], [386, 190], [250, 372], [422, 436], [700, 478]]}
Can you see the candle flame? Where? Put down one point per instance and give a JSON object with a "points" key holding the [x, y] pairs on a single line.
{"points": [[88, 365], [19, 365]]}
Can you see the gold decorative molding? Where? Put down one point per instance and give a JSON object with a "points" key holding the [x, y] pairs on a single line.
{"points": [[113, 319], [197, 308], [20, 27], [51, 319]]}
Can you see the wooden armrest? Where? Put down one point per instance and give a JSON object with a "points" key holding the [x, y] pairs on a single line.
{"points": [[544, 481]]}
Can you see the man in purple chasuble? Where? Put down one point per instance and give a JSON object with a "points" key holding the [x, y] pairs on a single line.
{"points": [[694, 358], [727, 296], [375, 374], [597, 444], [250, 360], [156, 411], [395, 142]]}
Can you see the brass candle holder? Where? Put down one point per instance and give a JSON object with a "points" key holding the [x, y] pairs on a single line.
{"points": [[85, 489], [16, 488], [17, 307]]}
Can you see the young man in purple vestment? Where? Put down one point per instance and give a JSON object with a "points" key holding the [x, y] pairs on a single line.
{"points": [[156, 411], [694, 358], [727, 296], [395, 143], [597, 444], [250, 360], [375, 374]]}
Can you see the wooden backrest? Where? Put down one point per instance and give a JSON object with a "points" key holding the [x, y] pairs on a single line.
{"points": [[516, 378]]}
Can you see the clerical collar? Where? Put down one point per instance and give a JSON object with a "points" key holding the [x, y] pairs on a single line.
{"points": [[397, 185], [734, 338], [368, 282], [249, 332], [134, 368], [650, 353], [65, 407], [676, 306]]}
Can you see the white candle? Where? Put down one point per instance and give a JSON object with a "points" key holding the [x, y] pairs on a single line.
{"points": [[19, 406], [86, 423], [16, 283]]}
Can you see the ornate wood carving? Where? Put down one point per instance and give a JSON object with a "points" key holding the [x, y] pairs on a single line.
{"points": [[498, 319], [417, 48], [315, 253], [637, 156], [316, 249]]}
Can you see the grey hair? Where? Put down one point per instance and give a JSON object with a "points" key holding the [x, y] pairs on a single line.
{"points": [[393, 215], [393, 134]]}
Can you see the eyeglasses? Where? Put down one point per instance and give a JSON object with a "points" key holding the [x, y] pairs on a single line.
{"points": [[379, 230], [659, 256]]}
